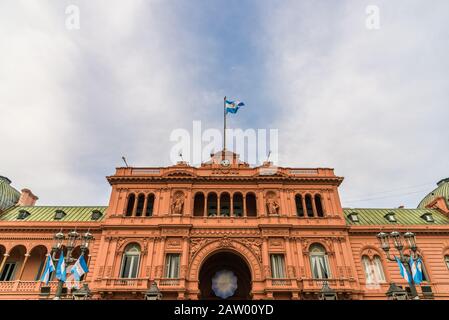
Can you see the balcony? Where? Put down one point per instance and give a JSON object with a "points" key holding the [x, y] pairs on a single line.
{"points": [[281, 284], [30, 289], [123, 284], [315, 285]]}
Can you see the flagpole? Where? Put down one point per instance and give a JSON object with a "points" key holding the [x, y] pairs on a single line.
{"points": [[224, 124]]}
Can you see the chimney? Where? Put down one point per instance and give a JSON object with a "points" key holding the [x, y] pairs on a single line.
{"points": [[27, 198]]}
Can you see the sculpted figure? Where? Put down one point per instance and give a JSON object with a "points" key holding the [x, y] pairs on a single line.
{"points": [[273, 206], [177, 205]]}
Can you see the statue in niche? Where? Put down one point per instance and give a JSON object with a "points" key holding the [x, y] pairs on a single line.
{"points": [[273, 206], [178, 205]]}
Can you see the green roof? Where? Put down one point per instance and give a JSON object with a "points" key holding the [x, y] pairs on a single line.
{"points": [[441, 191], [8, 195], [47, 213], [403, 216]]}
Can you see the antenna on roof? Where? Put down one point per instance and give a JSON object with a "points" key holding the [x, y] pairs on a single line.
{"points": [[126, 163], [180, 155]]}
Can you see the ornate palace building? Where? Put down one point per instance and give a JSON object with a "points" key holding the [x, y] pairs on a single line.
{"points": [[278, 233]]}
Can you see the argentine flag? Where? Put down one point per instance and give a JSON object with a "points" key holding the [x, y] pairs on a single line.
{"points": [[403, 271], [79, 268], [61, 272], [49, 268], [416, 267], [233, 106]]}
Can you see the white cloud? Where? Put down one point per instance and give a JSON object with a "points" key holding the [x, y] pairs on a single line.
{"points": [[371, 104]]}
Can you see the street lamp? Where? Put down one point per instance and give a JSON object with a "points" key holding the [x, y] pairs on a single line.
{"points": [[327, 293], [396, 293], [82, 294], [153, 293], [398, 242], [72, 238]]}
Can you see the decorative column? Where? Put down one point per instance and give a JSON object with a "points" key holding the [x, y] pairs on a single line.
{"points": [[27, 255], [218, 205], [244, 206], [145, 206], [136, 201], [5, 257], [205, 205], [231, 204], [304, 208], [315, 214]]}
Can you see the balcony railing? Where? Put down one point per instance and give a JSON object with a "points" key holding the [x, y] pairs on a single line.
{"points": [[310, 284], [169, 282], [25, 286]]}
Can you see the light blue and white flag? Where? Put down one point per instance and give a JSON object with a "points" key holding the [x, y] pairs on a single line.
{"points": [[416, 267], [233, 106], [403, 271], [76, 272], [79, 268], [61, 272], [49, 268]]}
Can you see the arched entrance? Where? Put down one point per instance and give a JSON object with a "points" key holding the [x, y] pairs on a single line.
{"points": [[225, 267]]}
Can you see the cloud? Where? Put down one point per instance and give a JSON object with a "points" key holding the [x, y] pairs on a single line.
{"points": [[371, 104]]}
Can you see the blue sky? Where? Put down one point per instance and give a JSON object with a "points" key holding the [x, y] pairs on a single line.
{"points": [[370, 103]]}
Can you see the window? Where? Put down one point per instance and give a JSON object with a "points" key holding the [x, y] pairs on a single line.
{"points": [[251, 206], [130, 262], [198, 205], [354, 216], [96, 215], [212, 204], [8, 271], [309, 207], [390, 216], [59, 214], [130, 206], [374, 272], [140, 205], [23, 214], [428, 217], [319, 262], [150, 205], [172, 265], [446, 260], [299, 207], [277, 266], [319, 206], [225, 205], [238, 204]]}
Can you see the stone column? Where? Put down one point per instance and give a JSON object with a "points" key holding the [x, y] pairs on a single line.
{"points": [[5, 257], [27, 255], [315, 214], [304, 208], [145, 206], [231, 205]]}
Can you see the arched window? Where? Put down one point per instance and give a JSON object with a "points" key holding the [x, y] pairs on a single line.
{"points": [[319, 262], [198, 205], [130, 262], [212, 204], [299, 208], [237, 200], [225, 204], [130, 207], [309, 207], [251, 205], [140, 204], [150, 205], [319, 206], [374, 272]]}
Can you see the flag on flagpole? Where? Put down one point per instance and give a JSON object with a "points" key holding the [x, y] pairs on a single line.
{"points": [[49, 268], [233, 106], [76, 272], [79, 268], [61, 272], [404, 273], [416, 267]]}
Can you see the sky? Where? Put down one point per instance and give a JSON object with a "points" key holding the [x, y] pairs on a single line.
{"points": [[370, 102]]}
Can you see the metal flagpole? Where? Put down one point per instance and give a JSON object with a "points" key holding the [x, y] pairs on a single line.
{"points": [[224, 124]]}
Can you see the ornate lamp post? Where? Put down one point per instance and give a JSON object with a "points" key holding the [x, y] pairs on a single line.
{"points": [[72, 238], [327, 293], [398, 242], [153, 293]]}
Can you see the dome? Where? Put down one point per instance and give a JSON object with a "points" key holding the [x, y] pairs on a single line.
{"points": [[8, 195], [441, 191]]}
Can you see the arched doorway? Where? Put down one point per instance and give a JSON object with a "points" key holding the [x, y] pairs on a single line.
{"points": [[229, 267]]}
